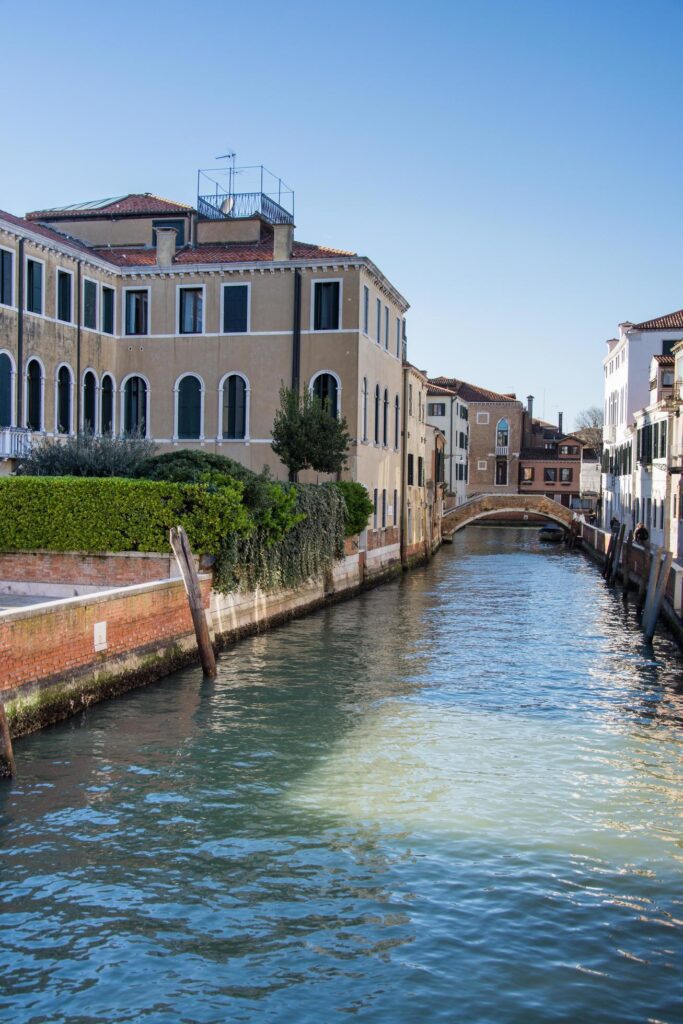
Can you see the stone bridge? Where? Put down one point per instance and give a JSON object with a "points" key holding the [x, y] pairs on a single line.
{"points": [[485, 504]]}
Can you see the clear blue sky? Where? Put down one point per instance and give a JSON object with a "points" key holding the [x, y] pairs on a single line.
{"points": [[513, 167]]}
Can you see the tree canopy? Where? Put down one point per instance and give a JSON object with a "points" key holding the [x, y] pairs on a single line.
{"points": [[306, 434]]}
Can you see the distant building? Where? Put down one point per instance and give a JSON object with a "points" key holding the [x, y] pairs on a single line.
{"points": [[550, 461], [449, 413]]}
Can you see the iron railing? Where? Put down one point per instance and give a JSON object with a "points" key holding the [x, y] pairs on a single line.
{"points": [[223, 206], [15, 442]]}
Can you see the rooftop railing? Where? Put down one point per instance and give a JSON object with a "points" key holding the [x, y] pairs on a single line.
{"points": [[223, 206]]}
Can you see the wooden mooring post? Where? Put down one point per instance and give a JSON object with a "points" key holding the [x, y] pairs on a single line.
{"points": [[644, 573], [607, 568], [626, 565], [8, 768], [614, 568], [185, 560], [655, 563], [654, 598]]}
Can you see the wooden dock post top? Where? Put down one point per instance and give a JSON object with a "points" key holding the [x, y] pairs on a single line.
{"points": [[185, 560]]}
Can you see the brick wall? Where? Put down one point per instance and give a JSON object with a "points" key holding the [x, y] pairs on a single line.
{"points": [[40, 643], [99, 570]]}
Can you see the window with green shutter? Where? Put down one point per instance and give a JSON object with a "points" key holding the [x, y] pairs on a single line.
{"points": [[108, 310], [90, 304], [189, 409], [234, 408], [5, 390], [235, 308], [34, 286], [6, 262], [64, 288], [326, 306]]}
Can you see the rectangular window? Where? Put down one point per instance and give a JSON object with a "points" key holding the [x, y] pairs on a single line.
{"points": [[482, 418], [501, 473], [398, 337], [137, 315], [191, 311], [374, 509], [384, 509], [463, 412], [366, 309], [566, 476], [326, 305], [436, 409], [107, 310], [64, 283], [420, 471], [482, 465], [386, 327], [90, 304], [34, 286], [527, 474], [549, 475], [379, 322], [411, 471], [6, 261], [395, 508], [410, 399], [235, 308], [662, 442]]}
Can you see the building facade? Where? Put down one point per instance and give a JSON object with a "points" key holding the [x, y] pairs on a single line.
{"points": [[448, 412]]}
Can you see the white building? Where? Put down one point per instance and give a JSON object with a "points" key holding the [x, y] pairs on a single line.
{"points": [[626, 370], [651, 479], [448, 411]]}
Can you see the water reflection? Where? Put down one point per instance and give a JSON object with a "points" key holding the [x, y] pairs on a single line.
{"points": [[456, 797]]}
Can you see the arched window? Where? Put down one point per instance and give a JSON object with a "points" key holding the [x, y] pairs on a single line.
{"points": [[326, 389], [502, 434], [189, 409], [63, 425], [5, 390], [377, 404], [385, 421], [34, 396], [397, 423], [89, 401], [234, 408], [364, 405], [107, 405], [135, 407]]}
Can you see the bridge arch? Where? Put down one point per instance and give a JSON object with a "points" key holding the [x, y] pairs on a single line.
{"points": [[486, 504]]}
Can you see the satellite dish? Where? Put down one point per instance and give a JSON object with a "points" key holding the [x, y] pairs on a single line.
{"points": [[227, 205]]}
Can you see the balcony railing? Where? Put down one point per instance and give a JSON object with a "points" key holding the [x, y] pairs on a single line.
{"points": [[501, 449], [15, 442], [242, 204]]}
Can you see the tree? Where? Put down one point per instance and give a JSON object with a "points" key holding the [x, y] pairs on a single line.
{"points": [[306, 435], [87, 454], [589, 427]]}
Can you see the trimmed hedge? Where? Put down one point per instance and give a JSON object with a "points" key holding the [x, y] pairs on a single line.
{"points": [[116, 514]]}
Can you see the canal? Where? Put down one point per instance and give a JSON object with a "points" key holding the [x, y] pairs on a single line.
{"points": [[456, 798]]}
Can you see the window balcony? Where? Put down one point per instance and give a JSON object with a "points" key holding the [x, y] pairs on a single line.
{"points": [[224, 206], [15, 442], [502, 449]]}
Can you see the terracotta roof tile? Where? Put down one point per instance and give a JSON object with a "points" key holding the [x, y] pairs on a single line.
{"points": [[665, 360], [668, 322], [49, 233], [438, 389], [232, 252], [134, 204], [471, 392]]}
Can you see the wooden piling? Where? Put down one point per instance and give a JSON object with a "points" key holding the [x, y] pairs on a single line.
{"points": [[655, 565], [614, 569], [651, 614], [185, 560], [8, 768], [626, 565], [610, 552], [644, 573]]}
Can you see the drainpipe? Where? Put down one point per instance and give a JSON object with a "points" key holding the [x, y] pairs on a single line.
{"points": [[20, 337], [79, 286], [404, 467]]}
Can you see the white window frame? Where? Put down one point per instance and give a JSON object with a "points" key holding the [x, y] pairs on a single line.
{"points": [[71, 399], [482, 465], [114, 392], [101, 320], [364, 417], [327, 280], [378, 313], [192, 288], [41, 364], [124, 301], [34, 259], [95, 429], [398, 337], [176, 397], [122, 393], [94, 281], [336, 376], [13, 386], [386, 328], [64, 270], [247, 409], [483, 419], [366, 310], [221, 313], [13, 279]]}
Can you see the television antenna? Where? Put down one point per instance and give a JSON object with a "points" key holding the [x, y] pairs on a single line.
{"points": [[230, 156]]}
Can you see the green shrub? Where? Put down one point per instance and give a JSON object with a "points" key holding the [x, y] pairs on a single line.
{"points": [[358, 506], [110, 514], [85, 454]]}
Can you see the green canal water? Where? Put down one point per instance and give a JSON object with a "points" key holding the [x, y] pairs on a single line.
{"points": [[456, 798]]}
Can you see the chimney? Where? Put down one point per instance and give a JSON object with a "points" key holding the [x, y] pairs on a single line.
{"points": [[283, 236], [530, 405], [559, 422], [166, 239]]}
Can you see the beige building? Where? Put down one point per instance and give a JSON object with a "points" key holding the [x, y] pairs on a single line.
{"points": [[423, 469], [142, 314]]}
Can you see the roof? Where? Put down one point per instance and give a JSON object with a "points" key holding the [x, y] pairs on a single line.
{"points": [[229, 252], [437, 389], [547, 455], [471, 392], [50, 233], [135, 204], [667, 360], [668, 322]]}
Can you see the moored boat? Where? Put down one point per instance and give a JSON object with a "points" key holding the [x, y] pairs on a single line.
{"points": [[551, 534]]}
